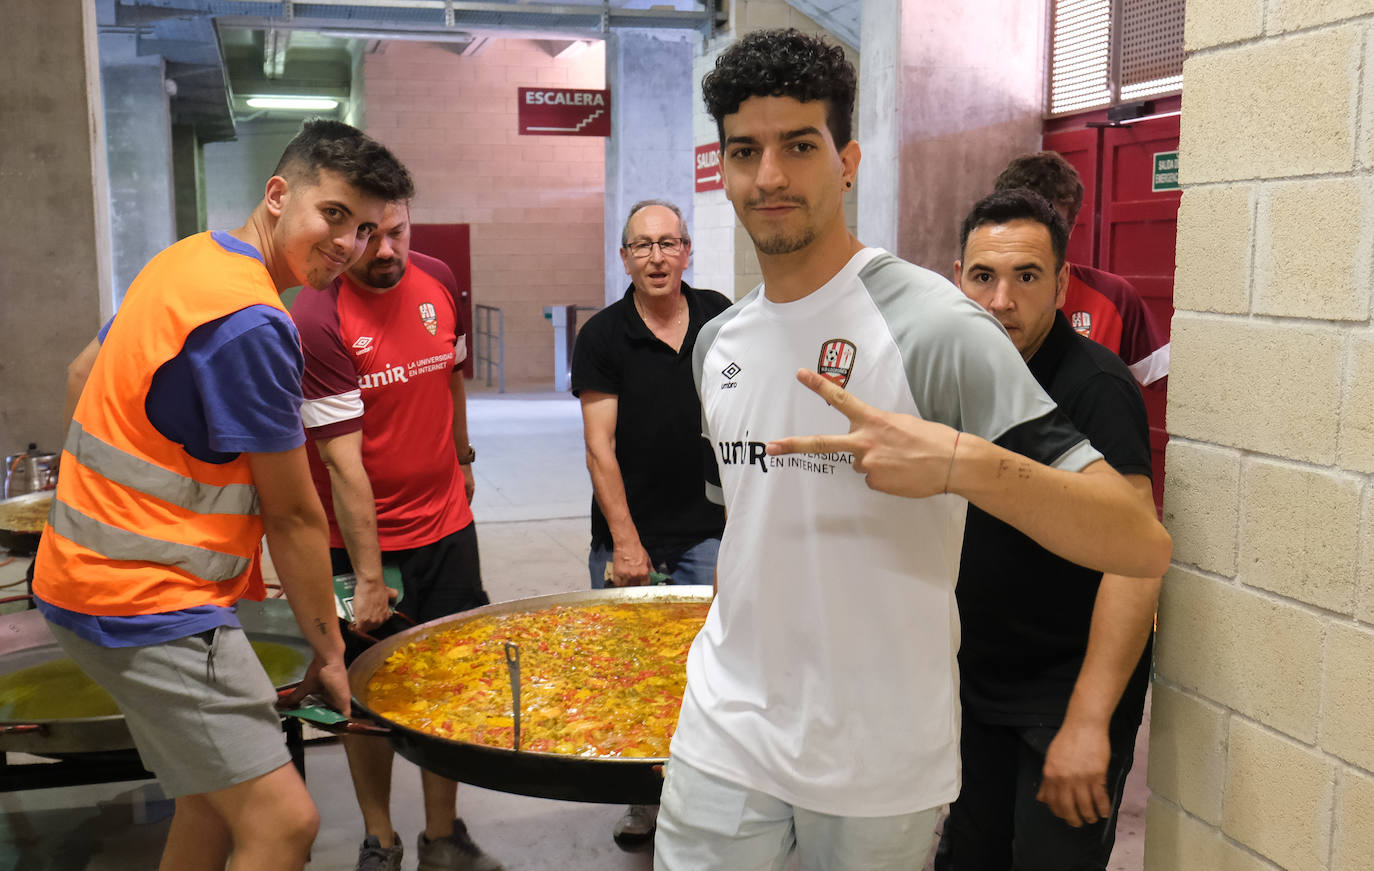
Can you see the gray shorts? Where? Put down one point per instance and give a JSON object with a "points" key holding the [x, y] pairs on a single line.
{"points": [[201, 710]]}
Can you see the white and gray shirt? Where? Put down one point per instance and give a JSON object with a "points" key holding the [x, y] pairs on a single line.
{"points": [[825, 674]]}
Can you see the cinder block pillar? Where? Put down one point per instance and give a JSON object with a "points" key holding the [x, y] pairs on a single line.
{"points": [[1261, 751]]}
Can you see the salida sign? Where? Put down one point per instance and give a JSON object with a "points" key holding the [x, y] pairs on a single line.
{"points": [[564, 112], [708, 168]]}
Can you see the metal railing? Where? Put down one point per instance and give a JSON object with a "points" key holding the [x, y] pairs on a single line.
{"points": [[488, 345]]}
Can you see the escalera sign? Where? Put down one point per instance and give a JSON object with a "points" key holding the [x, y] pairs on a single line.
{"points": [[564, 112]]}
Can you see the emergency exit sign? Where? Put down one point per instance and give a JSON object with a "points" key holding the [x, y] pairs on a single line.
{"points": [[707, 168], [1165, 176]]}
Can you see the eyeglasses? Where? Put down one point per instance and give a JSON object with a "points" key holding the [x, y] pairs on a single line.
{"points": [[669, 247]]}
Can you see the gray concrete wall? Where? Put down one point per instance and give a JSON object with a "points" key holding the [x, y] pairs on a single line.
{"points": [[138, 130], [188, 180], [236, 172], [649, 154], [971, 86], [879, 126], [54, 261]]}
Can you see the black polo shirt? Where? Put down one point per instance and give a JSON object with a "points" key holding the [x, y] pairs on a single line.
{"points": [[658, 419], [1026, 612]]}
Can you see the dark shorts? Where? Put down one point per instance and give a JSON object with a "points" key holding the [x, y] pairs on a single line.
{"points": [[437, 580]]}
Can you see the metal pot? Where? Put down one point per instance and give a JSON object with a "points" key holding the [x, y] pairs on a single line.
{"points": [[607, 780], [26, 641], [29, 472]]}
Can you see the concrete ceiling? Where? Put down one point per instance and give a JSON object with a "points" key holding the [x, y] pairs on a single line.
{"points": [[840, 17], [218, 52], [180, 34]]}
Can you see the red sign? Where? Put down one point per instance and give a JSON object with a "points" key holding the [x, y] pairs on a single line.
{"points": [[565, 112], [708, 168]]}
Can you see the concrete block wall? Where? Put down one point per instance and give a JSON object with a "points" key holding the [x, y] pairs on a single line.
{"points": [[1262, 752], [723, 255], [236, 172], [56, 263], [535, 203]]}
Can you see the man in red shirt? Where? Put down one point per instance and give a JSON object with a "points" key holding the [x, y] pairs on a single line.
{"points": [[386, 408], [1104, 307]]}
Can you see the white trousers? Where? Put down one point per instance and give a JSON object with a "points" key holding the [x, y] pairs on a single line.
{"points": [[709, 824]]}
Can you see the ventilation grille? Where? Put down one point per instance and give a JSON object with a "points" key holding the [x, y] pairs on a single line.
{"points": [[1081, 55], [1087, 73], [1151, 47]]}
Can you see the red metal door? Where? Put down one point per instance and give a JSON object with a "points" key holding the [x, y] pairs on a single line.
{"points": [[1133, 228], [452, 244], [1137, 230]]}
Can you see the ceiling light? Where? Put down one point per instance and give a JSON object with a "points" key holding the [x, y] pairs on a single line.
{"points": [[299, 103]]}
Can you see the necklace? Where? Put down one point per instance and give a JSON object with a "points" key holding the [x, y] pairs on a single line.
{"points": [[677, 322]]}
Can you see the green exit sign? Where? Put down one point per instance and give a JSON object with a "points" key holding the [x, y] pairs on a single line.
{"points": [[1165, 176]]}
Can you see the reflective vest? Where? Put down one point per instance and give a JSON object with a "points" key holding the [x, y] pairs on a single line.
{"points": [[138, 526]]}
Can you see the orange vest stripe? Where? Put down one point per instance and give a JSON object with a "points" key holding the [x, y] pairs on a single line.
{"points": [[138, 525]]}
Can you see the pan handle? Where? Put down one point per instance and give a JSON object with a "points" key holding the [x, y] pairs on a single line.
{"points": [[326, 719], [346, 726]]}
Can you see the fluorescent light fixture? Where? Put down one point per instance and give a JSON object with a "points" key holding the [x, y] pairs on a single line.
{"points": [[300, 103]]}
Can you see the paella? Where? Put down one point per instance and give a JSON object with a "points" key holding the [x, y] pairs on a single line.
{"points": [[598, 679]]}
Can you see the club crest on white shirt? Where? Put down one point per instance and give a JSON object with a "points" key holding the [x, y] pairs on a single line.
{"points": [[429, 317], [836, 362], [1082, 323]]}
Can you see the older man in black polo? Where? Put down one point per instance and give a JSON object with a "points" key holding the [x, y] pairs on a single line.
{"points": [[632, 369]]}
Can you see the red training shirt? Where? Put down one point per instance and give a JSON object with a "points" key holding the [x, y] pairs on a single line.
{"points": [[1108, 309], [381, 363]]}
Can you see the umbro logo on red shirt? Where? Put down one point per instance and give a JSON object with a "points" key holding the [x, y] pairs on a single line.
{"points": [[361, 346]]}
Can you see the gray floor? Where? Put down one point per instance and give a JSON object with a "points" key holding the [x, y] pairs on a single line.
{"points": [[531, 507]]}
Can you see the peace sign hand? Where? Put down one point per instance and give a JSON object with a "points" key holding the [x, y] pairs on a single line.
{"points": [[897, 453]]}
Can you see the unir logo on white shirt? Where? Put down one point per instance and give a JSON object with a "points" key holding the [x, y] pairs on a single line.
{"points": [[743, 452]]}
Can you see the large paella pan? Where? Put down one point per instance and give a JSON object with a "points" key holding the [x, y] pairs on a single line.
{"points": [[535, 772], [49, 708]]}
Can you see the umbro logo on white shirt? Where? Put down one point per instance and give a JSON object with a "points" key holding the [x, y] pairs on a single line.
{"points": [[729, 372], [362, 344]]}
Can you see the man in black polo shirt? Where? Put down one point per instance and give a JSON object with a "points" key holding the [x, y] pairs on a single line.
{"points": [[632, 369], [1054, 662]]}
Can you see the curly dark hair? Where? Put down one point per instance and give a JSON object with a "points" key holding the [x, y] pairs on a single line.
{"points": [[1049, 175], [1005, 206], [783, 63], [364, 162]]}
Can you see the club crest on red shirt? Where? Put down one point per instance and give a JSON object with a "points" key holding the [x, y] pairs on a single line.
{"points": [[429, 317], [836, 361], [1082, 323]]}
